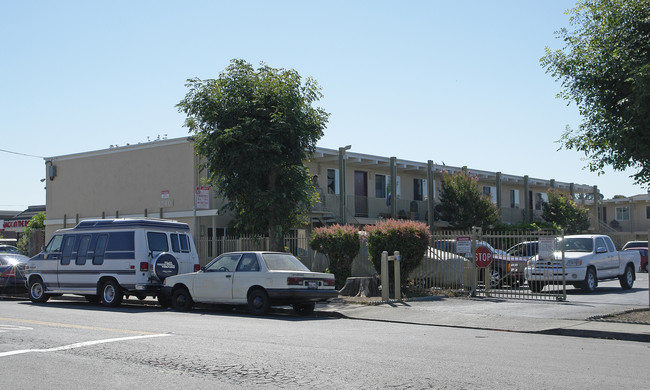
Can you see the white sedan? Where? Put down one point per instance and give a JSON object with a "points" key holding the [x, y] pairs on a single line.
{"points": [[257, 279]]}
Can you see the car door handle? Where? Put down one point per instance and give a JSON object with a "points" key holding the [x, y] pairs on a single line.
{"points": [[229, 276]]}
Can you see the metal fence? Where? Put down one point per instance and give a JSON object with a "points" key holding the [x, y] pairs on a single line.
{"points": [[449, 265]]}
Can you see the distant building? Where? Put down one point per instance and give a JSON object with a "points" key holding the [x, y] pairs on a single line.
{"points": [[13, 223]]}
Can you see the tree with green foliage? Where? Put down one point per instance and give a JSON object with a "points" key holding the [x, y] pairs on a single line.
{"points": [[410, 238], [462, 203], [255, 128], [36, 222], [604, 68], [341, 244], [564, 212]]}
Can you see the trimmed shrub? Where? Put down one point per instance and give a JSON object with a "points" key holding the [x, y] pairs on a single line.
{"points": [[340, 244], [410, 238]]}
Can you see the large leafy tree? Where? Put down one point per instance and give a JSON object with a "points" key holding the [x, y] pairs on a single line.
{"points": [[564, 212], [255, 129], [605, 69], [462, 203]]}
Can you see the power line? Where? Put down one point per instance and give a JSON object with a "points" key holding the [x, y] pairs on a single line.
{"points": [[20, 154]]}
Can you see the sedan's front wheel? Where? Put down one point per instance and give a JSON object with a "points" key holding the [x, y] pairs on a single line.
{"points": [[182, 300]]}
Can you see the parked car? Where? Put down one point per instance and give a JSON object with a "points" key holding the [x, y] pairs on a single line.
{"points": [[104, 260], [588, 259], [257, 279], [500, 269], [12, 273], [524, 249], [642, 247], [8, 249], [635, 244]]}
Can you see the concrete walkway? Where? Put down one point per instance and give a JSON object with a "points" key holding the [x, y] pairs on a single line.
{"points": [[555, 318]]}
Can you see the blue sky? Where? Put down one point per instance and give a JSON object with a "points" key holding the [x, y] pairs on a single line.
{"points": [[455, 82]]}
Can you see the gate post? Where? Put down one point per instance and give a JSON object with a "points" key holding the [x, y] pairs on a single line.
{"points": [[385, 280], [385, 293], [397, 262], [476, 231]]}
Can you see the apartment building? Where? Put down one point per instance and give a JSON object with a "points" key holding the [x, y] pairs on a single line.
{"points": [[160, 179]]}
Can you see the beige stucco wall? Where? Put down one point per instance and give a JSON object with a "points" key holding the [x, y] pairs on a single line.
{"points": [[125, 181]]}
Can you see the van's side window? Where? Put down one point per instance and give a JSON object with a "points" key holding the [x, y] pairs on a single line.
{"points": [[185, 245], [68, 245], [157, 242], [83, 250], [100, 249], [54, 245], [175, 247]]}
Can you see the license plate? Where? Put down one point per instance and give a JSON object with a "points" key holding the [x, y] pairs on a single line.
{"points": [[312, 284]]}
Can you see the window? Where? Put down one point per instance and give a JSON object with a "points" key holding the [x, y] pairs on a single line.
{"points": [[68, 245], [224, 263], [380, 186], [175, 244], [647, 212], [283, 262], [83, 250], [100, 249], [623, 213], [185, 244], [248, 263], [540, 199], [514, 199], [157, 242], [55, 244], [419, 189], [491, 192], [333, 181]]}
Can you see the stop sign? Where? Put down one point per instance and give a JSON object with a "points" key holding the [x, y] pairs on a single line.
{"points": [[483, 256]]}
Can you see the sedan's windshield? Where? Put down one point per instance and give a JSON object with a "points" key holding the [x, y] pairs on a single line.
{"points": [[581, 244], [283, 262]]}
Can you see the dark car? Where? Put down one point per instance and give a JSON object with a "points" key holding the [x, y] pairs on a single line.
{"points": [[8, 249], [524, 249], [12, 273]]}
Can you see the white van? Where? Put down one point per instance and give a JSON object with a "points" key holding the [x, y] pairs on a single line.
{"points": [[106, 259]]}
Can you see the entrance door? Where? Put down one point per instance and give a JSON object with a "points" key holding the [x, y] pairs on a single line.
{"points": [[360, 194]]}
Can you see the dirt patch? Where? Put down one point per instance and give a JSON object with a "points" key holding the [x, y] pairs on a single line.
{"points": [[638, 316]]}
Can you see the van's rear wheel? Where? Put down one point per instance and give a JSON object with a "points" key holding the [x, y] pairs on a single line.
{"points": [[37, 291], [112, 294]]}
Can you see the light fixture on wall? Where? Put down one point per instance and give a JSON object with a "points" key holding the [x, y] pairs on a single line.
{"points": [[51, 169]]}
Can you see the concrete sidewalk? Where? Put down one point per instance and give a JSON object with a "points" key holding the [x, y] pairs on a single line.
{"points": [[554, 318]]}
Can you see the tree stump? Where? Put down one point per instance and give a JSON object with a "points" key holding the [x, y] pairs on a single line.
{"points": [[360, 287]]}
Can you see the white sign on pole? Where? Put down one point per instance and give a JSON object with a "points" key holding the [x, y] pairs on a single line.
{"points": [[546, 248], [463, 245], [202, 198]]}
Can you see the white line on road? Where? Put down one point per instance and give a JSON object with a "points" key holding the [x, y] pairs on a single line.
{"points": [[83, 344]]}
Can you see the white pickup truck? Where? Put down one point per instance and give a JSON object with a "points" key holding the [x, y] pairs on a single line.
{"points": [[588, 259]]}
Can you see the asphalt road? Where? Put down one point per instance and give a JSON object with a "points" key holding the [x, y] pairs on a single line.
{"points": [[73, 344]]}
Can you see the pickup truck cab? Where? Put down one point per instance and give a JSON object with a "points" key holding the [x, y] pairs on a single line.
{"points": [[588, 259]]}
